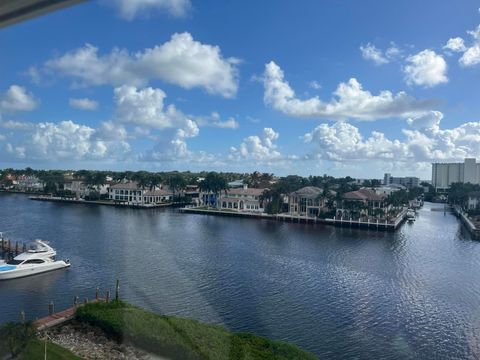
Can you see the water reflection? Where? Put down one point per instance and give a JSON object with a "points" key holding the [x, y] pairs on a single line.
{"points": [[340, 292]]}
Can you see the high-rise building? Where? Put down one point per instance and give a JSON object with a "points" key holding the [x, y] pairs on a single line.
{"points": [[445, 174], [407, 181]]}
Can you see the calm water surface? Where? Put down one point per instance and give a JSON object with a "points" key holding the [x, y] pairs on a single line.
{"points": [[340, 293]]}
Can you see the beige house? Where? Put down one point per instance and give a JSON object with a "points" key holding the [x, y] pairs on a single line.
{"points": [[241, 199], [307, 201]]}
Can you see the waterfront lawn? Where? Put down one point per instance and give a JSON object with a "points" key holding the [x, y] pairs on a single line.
{"points": [[178, 338], [36, 350]]}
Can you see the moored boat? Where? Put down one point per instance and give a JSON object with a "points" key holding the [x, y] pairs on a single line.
{"points": [[39, 258]]}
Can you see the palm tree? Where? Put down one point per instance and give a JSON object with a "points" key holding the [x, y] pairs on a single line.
{"points": [[176, 182]]}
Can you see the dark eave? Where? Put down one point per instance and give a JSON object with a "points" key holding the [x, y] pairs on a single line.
{"points": [[14, 11]]}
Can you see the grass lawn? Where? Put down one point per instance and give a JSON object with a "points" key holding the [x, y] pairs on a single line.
{"points": [[178, 338], [36, 350]]}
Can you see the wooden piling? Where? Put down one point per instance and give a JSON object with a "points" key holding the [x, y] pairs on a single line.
{"points": [[117, 290], [107, 298], [97, 291], [51, 308]]}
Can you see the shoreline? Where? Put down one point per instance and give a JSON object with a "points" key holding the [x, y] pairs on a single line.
{"points": [[472, 229], [400, 219], [104, 202]]}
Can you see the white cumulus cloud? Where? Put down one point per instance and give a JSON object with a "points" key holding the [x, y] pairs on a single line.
{"points": [[129, 9], [181, 61], [258, 148], [370, 52], [471, 56], [350, 100], [17, 98], [84, 104], [456, 44], [426, 68], [425, 143]]}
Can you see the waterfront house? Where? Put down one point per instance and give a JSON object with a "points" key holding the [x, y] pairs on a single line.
{"points": [[360, 201], [241, 199], [473, 201], [389, 189], [28, 183], [75, 185], [131, 192], [307, 201]]}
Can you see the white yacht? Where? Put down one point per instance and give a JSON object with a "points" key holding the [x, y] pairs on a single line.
{"points": [[39, 258]]}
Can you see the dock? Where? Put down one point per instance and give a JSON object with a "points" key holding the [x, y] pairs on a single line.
{"points": [[386, 226], [105, 202]]}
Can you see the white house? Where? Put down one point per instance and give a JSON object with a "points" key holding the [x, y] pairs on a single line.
{"points": [[389, 189], [241, 199], [473, 201], [130, 192]]}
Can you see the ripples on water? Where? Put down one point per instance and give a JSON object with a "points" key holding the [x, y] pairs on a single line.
{"points": [[337, 292]]}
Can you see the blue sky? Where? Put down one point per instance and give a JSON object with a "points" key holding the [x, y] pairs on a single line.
{"points": [[310, 87]]}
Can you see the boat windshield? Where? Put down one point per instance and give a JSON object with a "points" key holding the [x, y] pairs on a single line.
{"points": [[14, 262]]}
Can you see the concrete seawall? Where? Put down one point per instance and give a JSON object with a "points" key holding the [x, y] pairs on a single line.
{"points": [[104, 203], [385, 226], [473, 230]]}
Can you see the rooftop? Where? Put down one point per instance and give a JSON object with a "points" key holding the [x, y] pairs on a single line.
{"points": [[364, 194], [308, 191], [248, 191]]}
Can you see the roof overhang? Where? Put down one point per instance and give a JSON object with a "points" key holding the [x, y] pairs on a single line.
{"points": [[14, 11]]}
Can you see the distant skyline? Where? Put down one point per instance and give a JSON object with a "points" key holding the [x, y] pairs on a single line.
{"points": [[342, 88]]}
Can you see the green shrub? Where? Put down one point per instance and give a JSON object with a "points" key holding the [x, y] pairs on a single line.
{"points": [[178, 338], [15, 336]]}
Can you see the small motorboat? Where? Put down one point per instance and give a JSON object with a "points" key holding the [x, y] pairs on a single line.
{"points": [[39, 258], [410, 215]]}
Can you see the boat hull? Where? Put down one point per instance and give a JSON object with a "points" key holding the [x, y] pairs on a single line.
{"points": [[8, 272]]}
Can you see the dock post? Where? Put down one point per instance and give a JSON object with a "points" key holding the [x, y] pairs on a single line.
{"points": [[16, 248], [50, 308], [107, 298], [117, 290], [75, 301], [97, 291], [24, 247]]}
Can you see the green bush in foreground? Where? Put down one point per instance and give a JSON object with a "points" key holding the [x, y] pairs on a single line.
{"points": [[179, 338], [14, 337]]}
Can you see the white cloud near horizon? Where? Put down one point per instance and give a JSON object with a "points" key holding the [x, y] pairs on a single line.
{"points": [[350, 101], [426, 69], [257, 148], [425, 143], [67, 140], [83, 104], [181, 61], [129, 9]]}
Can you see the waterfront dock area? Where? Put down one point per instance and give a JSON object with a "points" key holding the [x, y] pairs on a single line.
{"points": [[379, 225], [103, 202]]}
